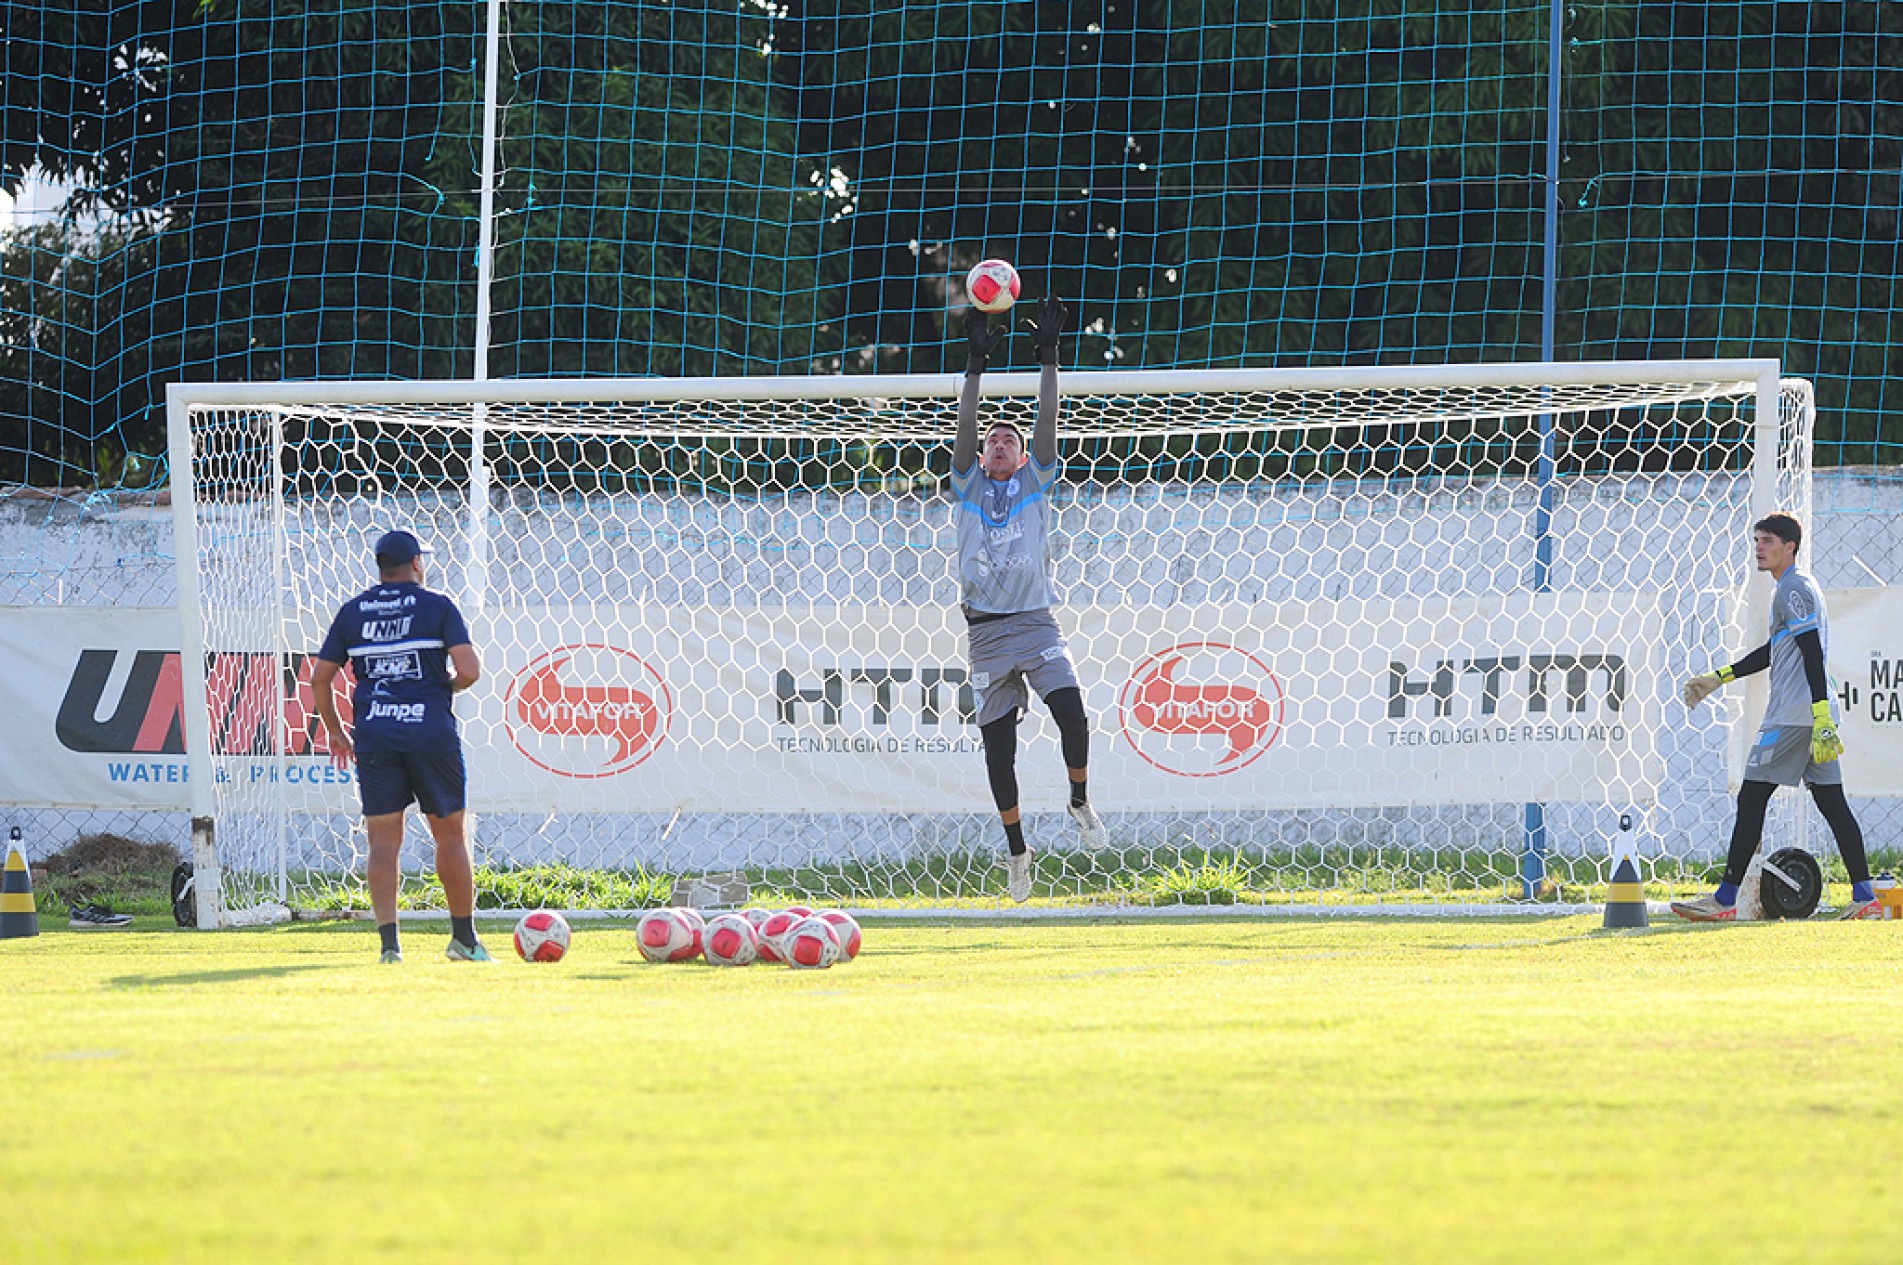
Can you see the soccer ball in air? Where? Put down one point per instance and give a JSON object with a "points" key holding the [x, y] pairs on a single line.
{"points": [[813, 944], [541, 936], [666, 936], [730, 940], [992, 285], [773, 933], [849, 934]]}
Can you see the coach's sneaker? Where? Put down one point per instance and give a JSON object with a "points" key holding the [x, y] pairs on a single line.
{"points": [[1089, 826], [1018, 875], [1872, 908], [460, 952], [1705, 909], [97, 918]]}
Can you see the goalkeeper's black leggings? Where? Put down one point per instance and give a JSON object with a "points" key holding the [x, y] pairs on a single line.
{"points": [[1748, 830], [1001, 743]]}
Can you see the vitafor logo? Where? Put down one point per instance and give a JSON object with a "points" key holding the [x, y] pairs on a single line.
{"points": [[1201, 709], [588, 711]]}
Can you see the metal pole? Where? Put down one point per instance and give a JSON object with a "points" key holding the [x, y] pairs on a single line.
{"points": [[476, 572], [191, 660], [1533, 853], [485, 226], [281, 671], [476, 512]]}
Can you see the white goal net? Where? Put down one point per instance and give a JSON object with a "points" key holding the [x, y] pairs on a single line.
{"points": [[1361, 637]]}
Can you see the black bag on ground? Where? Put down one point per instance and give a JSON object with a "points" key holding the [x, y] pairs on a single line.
{"points": [[184, 895]]}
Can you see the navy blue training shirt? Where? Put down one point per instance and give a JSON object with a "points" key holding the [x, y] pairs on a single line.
{"points": [[396, 639]]}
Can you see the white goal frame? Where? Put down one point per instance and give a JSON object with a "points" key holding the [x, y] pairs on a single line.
{"points": [[1779, 478]]}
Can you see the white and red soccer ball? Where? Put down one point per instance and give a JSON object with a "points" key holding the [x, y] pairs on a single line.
{"points": [[992, 285], [730, 940], [850, 937], [812, 944], [541, 936], [797, 936], [669, 935], [774, 930]]}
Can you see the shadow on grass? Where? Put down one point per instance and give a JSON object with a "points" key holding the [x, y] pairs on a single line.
{"points": [[221, 977]]}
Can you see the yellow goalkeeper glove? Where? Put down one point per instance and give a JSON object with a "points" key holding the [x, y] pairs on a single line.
{"points": [[1698, 688], [1825, 745]]}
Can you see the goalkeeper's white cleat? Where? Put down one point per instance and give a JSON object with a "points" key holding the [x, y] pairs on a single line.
{"points": [[1089, 826], [1872, 908], [1018, 875], [1705, 909]]}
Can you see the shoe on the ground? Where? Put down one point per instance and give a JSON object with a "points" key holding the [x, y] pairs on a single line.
{"points": [[390, 957], [1018, 875], [97, 918], [1872, 908], [1705, 909], [460, 952], [1089, 826]]}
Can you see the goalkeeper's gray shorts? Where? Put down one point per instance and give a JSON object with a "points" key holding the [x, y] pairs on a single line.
{"points": [[1009, 652], [1781, 755]]}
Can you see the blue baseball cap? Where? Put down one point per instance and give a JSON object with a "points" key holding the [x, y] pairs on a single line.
{"points": [[397, 548]]}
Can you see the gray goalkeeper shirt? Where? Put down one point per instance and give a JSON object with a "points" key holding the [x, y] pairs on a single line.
{"points": [[1796, 607], [1004, 538]]}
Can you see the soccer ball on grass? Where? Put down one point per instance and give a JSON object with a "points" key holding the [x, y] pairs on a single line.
{"points": [[847, 926], [812, 944], [730, 940], [774, 930], [541, 936], [668, 935]]}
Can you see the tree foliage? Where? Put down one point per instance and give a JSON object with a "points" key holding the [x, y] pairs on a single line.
{"points": [[301, 180], [289, 188]]}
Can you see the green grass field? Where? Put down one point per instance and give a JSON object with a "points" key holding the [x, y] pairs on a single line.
{"points": [[1203, 1089]]}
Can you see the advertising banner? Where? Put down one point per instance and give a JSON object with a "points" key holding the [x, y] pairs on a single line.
{"points": [[1866, 671], [701, 709]]}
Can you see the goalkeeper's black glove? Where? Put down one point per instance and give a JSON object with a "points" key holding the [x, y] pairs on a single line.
{"points": [[1048, 327], [982, 339]]}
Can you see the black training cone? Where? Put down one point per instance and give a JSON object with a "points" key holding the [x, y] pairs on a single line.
{"points": [[1625, 902], [18, 917]]}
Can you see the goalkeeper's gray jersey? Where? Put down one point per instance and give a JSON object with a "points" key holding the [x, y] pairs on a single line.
{"points": [[1004, 538], [1796, 607]]}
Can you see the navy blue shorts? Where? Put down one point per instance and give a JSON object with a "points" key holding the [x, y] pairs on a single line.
{"points": [[393, 780]]}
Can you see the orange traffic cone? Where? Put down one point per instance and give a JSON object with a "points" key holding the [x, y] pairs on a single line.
{"points": [[18, 916]]}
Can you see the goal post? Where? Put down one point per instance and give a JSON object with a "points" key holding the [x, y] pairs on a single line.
{"points": [[1336, 628]]}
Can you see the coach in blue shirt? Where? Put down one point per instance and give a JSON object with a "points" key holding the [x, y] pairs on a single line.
{"points": [[409, 651]]}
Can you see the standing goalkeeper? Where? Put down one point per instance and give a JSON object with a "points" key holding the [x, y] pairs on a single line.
{"points": [[1798, 739], [1004, 565]]}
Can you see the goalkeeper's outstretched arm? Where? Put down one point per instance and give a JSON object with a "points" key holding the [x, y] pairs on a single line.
{"points": [[980, 339], [1048, 329], [1698, 688]]}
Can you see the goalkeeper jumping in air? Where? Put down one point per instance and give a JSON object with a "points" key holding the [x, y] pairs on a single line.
{"points": [[1798, 739], [1004, 572]]}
